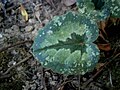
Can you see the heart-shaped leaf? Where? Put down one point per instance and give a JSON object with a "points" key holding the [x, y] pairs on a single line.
{"points": [[65, 44]]}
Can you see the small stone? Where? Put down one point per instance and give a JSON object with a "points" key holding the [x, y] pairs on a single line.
{"points": [[53, 82], [14, 52], [47, 74], [11, 63], [1, 36], [19, 68], [31, 21], [39, 75], [21, 36], [33, 86], [55, 77], [28, 45], [34, 77], [15, 28], [28, 28], [84, 79], [76, 83]]}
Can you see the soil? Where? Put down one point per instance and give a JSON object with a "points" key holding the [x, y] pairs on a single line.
{"points": [[19, 70]]}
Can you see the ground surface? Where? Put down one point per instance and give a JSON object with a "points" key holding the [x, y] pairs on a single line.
{"points": [[20, 71]]}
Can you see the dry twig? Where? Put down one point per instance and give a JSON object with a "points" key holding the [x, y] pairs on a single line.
{"points": [[100, 70], [9, 69], [13, 45]]}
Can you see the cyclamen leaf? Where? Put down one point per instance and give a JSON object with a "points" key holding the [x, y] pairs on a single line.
{"points": [[99, 9], [114, 6], [65, 44], [94, 9]]}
